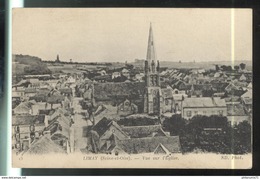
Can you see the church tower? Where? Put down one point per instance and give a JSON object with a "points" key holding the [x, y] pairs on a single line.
{"points": [[153, 102]]}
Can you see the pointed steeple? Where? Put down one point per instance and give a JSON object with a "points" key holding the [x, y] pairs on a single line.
{"points": [[150, 49]]}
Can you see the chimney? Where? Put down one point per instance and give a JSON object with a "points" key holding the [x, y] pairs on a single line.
{"points": [[46, 120]]}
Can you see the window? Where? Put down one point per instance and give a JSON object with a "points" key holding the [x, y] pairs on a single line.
{"points": [[220, 112], [204, 112], [188, 113]]}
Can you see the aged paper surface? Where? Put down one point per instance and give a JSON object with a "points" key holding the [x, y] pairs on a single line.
{"points": [[132, 88]]}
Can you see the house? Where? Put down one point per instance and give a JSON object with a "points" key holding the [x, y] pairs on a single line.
{"points": [[114, 93], [103, 130], [182, 86], [109, 137], [18, 93], [29, 92], [203, 106], [144, 131], [25, 129], [59, 130], [242, 78], [247, 100], [218, 87], [88, 94], [155, 145], [168, 101], [139, 120], [236, 113], [232, 89], [125, 73], [102, 78], [232, 100], [204, 90], [44, 146], [66, 91], [41, 95], [126, 108], [71, 79], [54, 101], [139, 77], [116, 74], [249, 86], [24, 108], [102, 72]]}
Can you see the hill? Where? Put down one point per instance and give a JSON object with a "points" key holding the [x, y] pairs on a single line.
{"points": [[29, 65]]}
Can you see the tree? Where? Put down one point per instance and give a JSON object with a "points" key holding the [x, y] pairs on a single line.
{"points": [[236, 67], [242, 138], [175, 124], [120, 79], [242, 66], [226, 68]]}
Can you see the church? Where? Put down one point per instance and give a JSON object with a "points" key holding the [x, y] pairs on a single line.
{"points": [[145, 97], [156, 100]]}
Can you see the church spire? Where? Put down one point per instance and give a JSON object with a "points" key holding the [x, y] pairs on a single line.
{"points": [[150, 49]]}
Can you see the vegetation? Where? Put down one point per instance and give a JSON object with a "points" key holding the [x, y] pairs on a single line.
{"points": [[210, 134], [34, 65], [242, 66]]}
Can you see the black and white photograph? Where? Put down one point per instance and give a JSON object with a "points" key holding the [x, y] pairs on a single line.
{"points": [[132, 88]]}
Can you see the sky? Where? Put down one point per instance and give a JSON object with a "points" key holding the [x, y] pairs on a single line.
{"points": [[121, 34]]}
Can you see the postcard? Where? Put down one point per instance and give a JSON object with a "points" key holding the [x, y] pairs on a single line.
{"points": [[132, 88]]}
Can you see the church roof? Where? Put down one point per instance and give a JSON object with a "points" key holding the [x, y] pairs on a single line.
{"points": [[150, 49]]}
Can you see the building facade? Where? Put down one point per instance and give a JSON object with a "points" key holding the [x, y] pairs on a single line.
{"points": [[206, 106]]}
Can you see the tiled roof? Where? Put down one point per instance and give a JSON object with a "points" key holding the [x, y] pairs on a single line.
{"points": [[149, 144], [102, 126], [106, 91], [248, 100], [144, 131], [44, 146], [247, 94], [65, 90], [24, 106], [219, 87], [202, 87], [235, 110], [30, 90], [27, 119], [139, 120], [167, 93], [204, 102], [55, 99]]}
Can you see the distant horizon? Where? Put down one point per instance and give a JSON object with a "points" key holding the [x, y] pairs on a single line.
{"points": [[121, 34], [133, 61]]}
